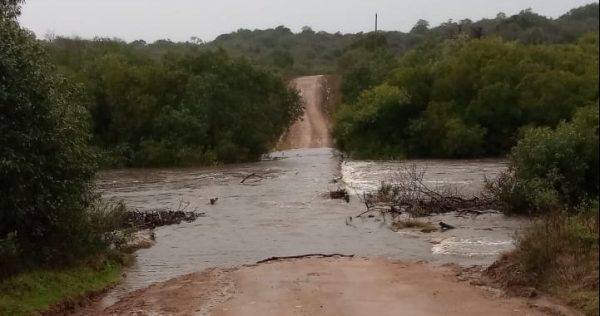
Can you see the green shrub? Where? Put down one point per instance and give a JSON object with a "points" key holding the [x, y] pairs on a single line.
{"points": [[560, 253], [551, 169], [48, 213], [466, 97], [46, 167], [190, 107], [35, 292], [360, 125]]}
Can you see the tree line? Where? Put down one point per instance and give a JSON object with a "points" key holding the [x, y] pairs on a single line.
{"points": [[286, 53], [311, 52], [184, 107], [462, 97]]}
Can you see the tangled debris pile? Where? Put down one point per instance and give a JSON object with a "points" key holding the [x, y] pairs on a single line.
{"points": [[407, 198], [409, 195], [160, 217], [149, 219]]}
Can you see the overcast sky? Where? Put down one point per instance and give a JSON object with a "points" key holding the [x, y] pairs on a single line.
{"points": [[179, 20]]}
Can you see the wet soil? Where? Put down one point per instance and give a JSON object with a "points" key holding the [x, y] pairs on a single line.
{"points": [[325, 287]]}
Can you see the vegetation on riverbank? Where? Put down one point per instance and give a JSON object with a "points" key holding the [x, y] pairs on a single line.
{"points": [[557, 254], [57, 290], [552, 169], [554, 175], [187, 107], [464, 97], [53, 228]]}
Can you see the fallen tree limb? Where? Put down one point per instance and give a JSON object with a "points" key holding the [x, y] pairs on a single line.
{"points": [[319, 255], [341, 194], [160, 217], [250, 176], [363, 213], [409, 194], [445, 226]]}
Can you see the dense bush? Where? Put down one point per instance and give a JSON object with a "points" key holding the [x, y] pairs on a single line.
{"points": [[468, 97], [46, 165], [558, 254], [552, 169], [553, 174], [184, 108], [360, 124]]}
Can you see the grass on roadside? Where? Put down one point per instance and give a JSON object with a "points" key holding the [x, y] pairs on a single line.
{"points": [[37, 291], [559, 255]]}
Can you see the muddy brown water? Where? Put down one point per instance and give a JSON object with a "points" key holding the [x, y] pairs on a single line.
{"points": [[285, 213]]}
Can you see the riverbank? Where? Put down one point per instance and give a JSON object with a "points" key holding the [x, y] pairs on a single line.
{"points": [[557, 255], [50, 292]]}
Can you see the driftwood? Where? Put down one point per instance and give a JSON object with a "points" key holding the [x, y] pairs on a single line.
{"points": [[318, 255], [161, 217], [250, 176], [340, 194], [409, 195], [445, 226]]}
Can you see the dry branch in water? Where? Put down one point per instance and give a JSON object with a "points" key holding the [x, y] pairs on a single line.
{"points": [[408, 194], [149, 219], [311, 255], [250, 176], [340, 194], [157, 218]]}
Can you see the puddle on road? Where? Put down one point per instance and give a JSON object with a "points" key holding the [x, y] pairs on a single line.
{"points": [[284, 213]]}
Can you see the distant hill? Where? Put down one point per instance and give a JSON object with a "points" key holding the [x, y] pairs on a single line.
{"points": [[317, 52], [310, 52]]}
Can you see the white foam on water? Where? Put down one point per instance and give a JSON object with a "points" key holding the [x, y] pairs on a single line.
{"points": [[471, 247], [353, 175]]}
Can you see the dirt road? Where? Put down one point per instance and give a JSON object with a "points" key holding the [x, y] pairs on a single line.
{"points": [[323, 287], [313, 130]]}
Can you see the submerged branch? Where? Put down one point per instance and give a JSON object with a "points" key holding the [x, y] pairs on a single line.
{"points": [[311, 255], [410, 195]]}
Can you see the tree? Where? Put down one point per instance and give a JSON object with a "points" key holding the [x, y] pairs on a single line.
{"points": [[421, 27], [10, 9], [307, 29], [468, 98], [552, 168], [46, 167]]}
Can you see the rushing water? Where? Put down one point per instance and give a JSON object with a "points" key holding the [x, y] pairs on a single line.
{"points": [[285, 212]]}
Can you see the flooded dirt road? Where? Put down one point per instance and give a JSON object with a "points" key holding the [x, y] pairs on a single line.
{"points": [[284, 211], [287, 213]]}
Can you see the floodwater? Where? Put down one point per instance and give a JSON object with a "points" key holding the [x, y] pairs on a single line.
{"points": [[285, 212]]}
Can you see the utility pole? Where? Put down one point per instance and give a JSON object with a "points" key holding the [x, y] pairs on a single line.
{"points": [[375, 22]]}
